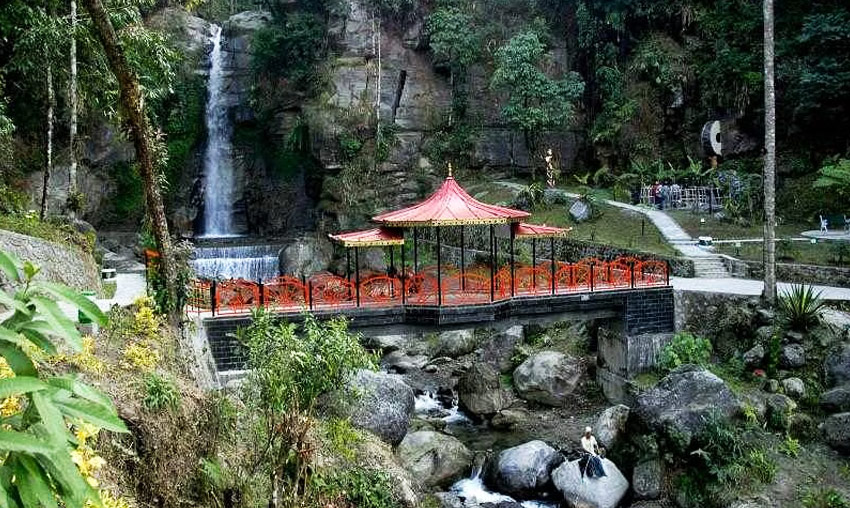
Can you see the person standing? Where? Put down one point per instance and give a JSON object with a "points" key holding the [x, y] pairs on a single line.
{"points": [[593, 464]]}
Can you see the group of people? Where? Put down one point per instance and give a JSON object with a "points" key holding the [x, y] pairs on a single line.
{"points": [[664, 195]]}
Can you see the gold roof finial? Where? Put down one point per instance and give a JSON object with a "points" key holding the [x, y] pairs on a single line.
{"points": [[450, 170]]}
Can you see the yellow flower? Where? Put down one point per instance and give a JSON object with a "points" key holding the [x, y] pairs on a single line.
{"points": [[141, 356]]}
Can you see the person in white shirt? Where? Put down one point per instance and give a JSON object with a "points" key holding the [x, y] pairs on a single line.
{"points": [[592, 464]]}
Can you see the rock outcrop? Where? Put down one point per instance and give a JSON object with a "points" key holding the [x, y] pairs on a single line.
{"points": [[548, 377], [611, 425], [582, 492], [59, 263], [525, 469], [681, 403], [837, 365], [836, 431], [433, 458]]}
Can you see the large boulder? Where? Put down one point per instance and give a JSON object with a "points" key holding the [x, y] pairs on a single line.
{"points": [[836, 399], [479, 390], [305, 256], [582, 492], [836, 431], [794, 388], [647, 479], [793, 356], [378, 402], [611, 425], [433, 458], [837, 365], [548, 377], [525, 469], [454, 343], [683, 402]]}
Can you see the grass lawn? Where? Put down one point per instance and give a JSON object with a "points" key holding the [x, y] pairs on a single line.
{"points": [[616, 226], [723, 230], [821, 253]]}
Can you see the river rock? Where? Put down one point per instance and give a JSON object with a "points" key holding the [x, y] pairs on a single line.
{"points": [[509, 418], [399, 362], [449, 500], [754, 357], [581, 492], [433, 458], [793, 356], [525, 469], [611, 425], [382, 404], [479, 390], [794, 387], [454, 343], [836, 399], [837, 365], [684, 400], [836, 431], [498, 349], [647, 479], [548, 377], [779, 410], [793, 337]]}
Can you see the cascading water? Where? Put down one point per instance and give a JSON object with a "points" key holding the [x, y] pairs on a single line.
{"points": [[251, 262], [218, 160]]}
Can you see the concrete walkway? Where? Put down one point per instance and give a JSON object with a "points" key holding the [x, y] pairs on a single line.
{"points": [[749, 287]]}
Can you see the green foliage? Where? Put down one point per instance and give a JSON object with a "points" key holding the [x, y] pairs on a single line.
{"points": [[453, 39], [822, 497], [724, 458], [359, 487], [774, 350], [342, 436], [291, 368], [685, 348], [54, 229], [129, 198], [160, 393], [835, 176], [801, 307], [37, 466], [536, 102], [790, 447], [291, 49]]}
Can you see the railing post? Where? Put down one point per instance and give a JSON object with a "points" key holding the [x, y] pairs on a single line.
{"points": [[310, 294], [462, 260], [403, 273], [632, 273], [262, 293], [439, 270], [212, 297], [592, 277], [492, 263], [357, 273], [513, 277], [534, 264], [552, 253], [306, 292], [667, 271]]}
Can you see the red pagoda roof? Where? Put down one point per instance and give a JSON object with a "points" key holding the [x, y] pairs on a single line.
{"points": [[377, 237], [523, 230], [450, 205]]}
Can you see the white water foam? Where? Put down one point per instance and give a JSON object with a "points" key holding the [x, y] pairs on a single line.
{"points": [[218, 160], [472, 490], [427, 404]]}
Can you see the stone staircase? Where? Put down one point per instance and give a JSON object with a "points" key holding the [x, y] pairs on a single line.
{"points": [[710, 267]]}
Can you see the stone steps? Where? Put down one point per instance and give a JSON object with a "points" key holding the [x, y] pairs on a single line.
{"points": [[710, 267]]}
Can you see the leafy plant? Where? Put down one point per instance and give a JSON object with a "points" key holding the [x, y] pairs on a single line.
{"points": [[685, 348], [36, 441], [363, 488], [774, 350], [790, 447], [160, 393], [824, 498], [836, 177], [800, 307]]}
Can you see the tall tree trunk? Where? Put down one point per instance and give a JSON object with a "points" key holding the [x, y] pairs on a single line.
{"points": [[72, 103], [769, 159], [48, 166], [133, 111]]}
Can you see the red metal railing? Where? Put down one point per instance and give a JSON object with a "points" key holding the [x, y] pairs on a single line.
{"points": [[453, 286]]}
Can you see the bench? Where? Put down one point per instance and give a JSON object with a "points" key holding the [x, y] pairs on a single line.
{"points": [[834, 222]]}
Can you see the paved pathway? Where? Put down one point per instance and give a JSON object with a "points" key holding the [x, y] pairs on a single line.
{"points": [[748, 287]]}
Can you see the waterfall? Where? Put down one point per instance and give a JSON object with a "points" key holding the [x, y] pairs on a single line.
{"points": [[251, 262], [218, 162]]}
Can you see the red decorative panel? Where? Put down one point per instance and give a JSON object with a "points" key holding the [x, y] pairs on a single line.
{"points": [[236, 296], [331, 290], [653, 273], [381, 289], [284, 291], [421, 289], [503, 283], [200, 296], [468, 289], [618, 274], [532, 280]]}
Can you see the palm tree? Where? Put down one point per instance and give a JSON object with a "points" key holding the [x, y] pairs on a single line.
{"points": [[769, 159]]}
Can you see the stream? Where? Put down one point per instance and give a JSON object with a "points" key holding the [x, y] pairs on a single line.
{"points": [[430, 406]]}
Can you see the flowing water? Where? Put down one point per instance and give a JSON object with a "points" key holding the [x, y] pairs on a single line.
{"points": [[218, 159], [429, 405], [250, 262]]}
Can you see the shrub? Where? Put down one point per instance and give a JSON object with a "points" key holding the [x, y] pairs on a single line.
{"points": [[363, 488], [790, 447], [824, 498], [686, 348], [800, 308], [160, 393], [140, 356]]}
